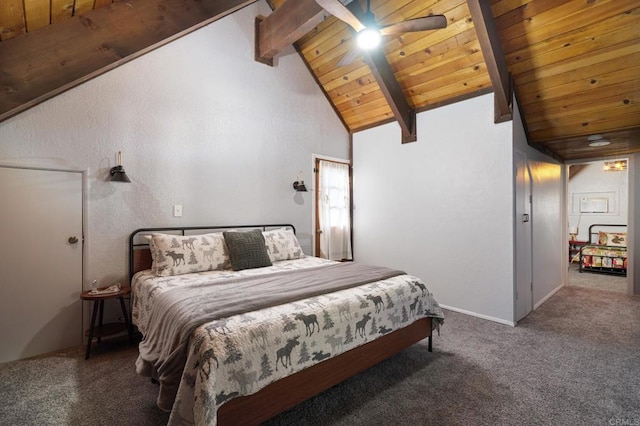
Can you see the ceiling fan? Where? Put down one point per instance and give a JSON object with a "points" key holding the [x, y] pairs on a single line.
{"points": [[369, 32]]}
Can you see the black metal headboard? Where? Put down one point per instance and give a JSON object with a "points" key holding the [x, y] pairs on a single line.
{"points": [[139, 245]]}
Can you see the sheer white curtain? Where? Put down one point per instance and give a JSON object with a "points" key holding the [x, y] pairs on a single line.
{"points": [[334, 210]]}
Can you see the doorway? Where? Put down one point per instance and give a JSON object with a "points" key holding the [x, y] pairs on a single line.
{"points": [[42, 225], [332, 211], [597, 193]]}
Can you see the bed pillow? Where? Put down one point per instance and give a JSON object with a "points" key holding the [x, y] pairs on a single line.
{"points": [[177, 254], [617, 239], [602, 238], [247, 249], [282, 244]]}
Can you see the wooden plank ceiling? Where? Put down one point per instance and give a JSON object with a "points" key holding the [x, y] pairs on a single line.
{"points": [[574, 64]]}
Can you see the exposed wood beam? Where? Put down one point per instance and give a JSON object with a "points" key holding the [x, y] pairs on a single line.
{"points": [[386, 79], [489, 39], [295, 18], [44, 63], [392, 91], [284, 26]]}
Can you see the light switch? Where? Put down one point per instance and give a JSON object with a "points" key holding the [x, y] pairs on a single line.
{"points": [[177, 210]]}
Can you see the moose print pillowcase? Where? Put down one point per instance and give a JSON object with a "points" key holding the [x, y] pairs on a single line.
{"points": [[177, 254]]}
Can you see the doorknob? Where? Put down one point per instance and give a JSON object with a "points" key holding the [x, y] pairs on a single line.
{"points": [[73, 240]]}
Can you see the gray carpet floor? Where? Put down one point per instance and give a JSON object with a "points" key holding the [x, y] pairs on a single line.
{"points": [[575, 360], [596, 281]]}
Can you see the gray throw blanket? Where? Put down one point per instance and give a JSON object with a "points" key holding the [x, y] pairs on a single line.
{"points": [[178, 312]]}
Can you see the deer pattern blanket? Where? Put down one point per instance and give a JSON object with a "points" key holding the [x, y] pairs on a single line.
{"points": [[241, 354]]}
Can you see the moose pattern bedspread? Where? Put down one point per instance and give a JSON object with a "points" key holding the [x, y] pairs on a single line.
{"points": [[243, 353]]}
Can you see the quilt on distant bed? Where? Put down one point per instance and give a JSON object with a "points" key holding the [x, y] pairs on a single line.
{"points": [[239, 355]]}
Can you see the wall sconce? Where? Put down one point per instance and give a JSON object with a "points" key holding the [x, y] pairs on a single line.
{"points": [[299, 185], [117, 173]]}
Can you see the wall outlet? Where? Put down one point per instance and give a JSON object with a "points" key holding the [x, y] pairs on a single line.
{"points": [[177, 210]]}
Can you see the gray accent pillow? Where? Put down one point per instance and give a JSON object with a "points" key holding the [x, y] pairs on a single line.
{"points": [[247, 249]]}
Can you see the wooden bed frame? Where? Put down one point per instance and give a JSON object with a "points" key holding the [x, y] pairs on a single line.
{"points": [[289, 391]]}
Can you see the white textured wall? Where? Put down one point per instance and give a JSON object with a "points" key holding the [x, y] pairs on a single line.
{"points": [[200, 123], [548, 216], [441, 208]]}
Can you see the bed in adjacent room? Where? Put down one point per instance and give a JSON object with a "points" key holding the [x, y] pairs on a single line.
{"points": [[606, 250], [240, 325]]}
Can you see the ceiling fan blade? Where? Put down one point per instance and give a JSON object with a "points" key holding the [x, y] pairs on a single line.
{"points": [[338, 10], [349, 57], [418, 24]]}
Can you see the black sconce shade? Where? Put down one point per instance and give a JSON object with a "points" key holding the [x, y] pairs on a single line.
{"points": [[299, 186], [117, 173]]}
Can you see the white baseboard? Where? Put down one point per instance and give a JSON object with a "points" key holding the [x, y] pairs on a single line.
{"points": [[474, 314], [544, 299]]}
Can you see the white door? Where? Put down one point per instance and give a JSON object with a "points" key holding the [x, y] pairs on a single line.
{"points": [[524, 278], [41, 279]]}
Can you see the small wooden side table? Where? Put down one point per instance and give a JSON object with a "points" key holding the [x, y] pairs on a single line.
{"points": [[574, 248], [102, 330]]}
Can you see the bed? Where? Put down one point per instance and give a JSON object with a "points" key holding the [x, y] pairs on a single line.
{"points": [[243, 360], [606, 250]]}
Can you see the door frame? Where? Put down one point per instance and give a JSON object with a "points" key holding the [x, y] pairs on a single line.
{"points": [[633, 284], [314, 205], [632, 200]]}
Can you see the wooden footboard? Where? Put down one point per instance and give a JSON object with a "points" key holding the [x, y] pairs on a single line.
{"points": [[290, 391]]}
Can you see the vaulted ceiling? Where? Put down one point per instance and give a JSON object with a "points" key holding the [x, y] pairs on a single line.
{"points": [[574, 65]]}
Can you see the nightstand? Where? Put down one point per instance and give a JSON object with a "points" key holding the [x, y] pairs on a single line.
{"points": [[103, 330], [574, 249]]}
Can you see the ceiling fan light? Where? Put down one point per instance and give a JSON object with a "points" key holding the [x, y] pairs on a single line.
{"points": [[368, 38]]}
